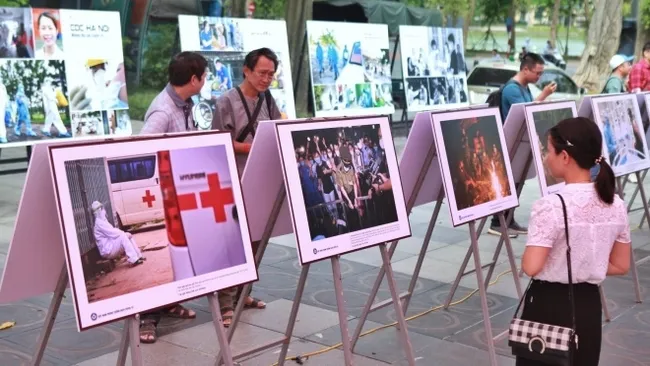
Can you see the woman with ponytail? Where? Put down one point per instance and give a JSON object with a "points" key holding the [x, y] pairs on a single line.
{"points": [[599, 239]]}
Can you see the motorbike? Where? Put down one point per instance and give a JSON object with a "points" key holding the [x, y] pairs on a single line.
{"points": [[555, 58]]}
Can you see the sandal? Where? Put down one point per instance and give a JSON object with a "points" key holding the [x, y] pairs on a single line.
{"points": [[254, 304], [148, 331], [227, 319], [180, 312], [138, 262]]}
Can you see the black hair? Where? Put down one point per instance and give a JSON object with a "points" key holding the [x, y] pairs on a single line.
{"points": [[49, 16], [646, 47], [451, 38], [581, 138], [531, 60], [251, 59], [205, 22], [434, 43], [185, 65]]}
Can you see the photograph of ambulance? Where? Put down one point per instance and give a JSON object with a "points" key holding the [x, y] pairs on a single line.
{"points": [[150, 219]]}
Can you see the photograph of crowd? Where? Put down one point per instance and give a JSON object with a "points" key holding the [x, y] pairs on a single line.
{"points": [[545, 117], [619, 119], [16, 33], [476, 161], [345, 180], [345, 56], [434, 67]]}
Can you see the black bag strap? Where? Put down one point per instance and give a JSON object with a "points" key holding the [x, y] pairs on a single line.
{"points": [[267, 97], [568, 265], [568, 261], [252, 119]]}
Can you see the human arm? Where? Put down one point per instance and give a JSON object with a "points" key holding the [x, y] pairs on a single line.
{"points": [[546, 92], [619, 257], [543, 231], [156, 122]]}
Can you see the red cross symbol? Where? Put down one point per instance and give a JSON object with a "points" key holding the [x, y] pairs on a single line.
{"points": [[148, 198], [216, 197]]}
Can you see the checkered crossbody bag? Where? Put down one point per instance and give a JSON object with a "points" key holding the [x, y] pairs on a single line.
{"points": [[548, 343]]}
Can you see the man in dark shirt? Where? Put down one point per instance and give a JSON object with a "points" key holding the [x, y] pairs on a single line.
{"points": [[326, 184]]}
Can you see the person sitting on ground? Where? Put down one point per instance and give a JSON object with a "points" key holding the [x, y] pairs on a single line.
{"points": [[113, 242]]}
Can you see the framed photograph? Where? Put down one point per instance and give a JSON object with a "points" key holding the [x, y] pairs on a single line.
{"points": [[624, 141], [225, 42], [150, 222], [540, 118], [435, 75], [474, 160], [343, 185], [350, 68]]}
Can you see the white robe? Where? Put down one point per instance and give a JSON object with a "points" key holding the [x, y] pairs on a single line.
{"points": [[51, 108], [112, 242], [3, 107]]}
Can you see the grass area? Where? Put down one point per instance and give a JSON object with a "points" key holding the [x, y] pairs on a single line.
{"points": [[139, 100]]}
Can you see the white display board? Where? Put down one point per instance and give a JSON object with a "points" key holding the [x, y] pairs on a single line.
{"points": [[624, 140], [350, 68], [343, 185], [540, 118], [475, 166], [61, 76], [202, 245], [225, 43], [433, 65]]}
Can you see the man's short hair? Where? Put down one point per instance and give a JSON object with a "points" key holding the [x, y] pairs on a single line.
{"points": [[646, 47], [451, 38], [252, 57], [531, 60], [185, 65]]}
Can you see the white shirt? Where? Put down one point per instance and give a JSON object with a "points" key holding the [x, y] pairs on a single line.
{"points": [[593, 228], [58, 54]]}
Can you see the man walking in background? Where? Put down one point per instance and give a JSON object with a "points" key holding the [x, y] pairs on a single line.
{"points": [[171, 111], [516, 91], [620, 66], [640, 74], [239, 111]]}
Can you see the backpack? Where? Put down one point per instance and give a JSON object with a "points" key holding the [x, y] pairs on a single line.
{"points": [[494, 99]]}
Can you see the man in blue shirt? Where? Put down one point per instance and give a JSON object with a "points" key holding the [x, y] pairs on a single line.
{"points": [[517, 91]]}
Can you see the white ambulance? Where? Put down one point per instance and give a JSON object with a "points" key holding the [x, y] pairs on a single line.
{"points": [[200, 213], [135, 188]]}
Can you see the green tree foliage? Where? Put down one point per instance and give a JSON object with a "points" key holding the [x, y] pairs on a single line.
{"points": [[494, 11], [157, 51], [270, 9], [14, 3], [645, 13]]}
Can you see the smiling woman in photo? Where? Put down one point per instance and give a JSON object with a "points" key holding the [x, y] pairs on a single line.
{"points": [[48, 31]]}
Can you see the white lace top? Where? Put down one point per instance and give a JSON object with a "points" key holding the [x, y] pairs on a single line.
{"points": [[593, 228]]}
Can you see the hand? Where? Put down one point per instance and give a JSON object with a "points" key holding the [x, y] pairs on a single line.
{"points": [[549, 89], [79, 99]]}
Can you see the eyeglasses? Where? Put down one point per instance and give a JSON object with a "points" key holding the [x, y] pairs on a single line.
{"points": [[265, 74]]}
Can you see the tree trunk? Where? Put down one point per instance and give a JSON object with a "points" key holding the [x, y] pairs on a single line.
{"points": [[468, 21], [513, 35], [297, 13], [642, 34], [602, 43], [239, 8], [587, 13], [554, 22]]}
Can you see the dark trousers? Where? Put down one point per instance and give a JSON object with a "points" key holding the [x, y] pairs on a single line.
{"points": [[495, 218], [548, 302]]}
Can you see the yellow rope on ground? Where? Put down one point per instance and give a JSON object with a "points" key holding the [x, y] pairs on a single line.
{"points": [[301, 358]]}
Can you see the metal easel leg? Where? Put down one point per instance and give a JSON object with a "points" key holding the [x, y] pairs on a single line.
{"points": [[293, 315], [635, 278], [461, 273], [343, 313], [130, 339], [636, 190], [399, 313], [266, 235], [511, 255], [483, 294], [52, 311], [603, 301], [641, 189], [217, 320]]}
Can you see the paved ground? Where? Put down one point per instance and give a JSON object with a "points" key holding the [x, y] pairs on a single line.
{"points": [[442, 338]]}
